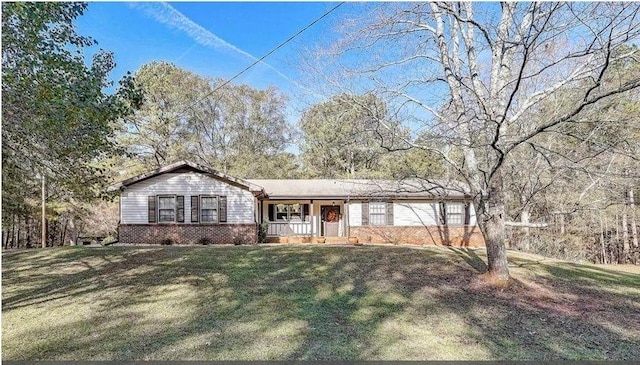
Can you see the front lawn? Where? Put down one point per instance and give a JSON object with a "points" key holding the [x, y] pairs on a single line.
{"points": [[309, 302]]}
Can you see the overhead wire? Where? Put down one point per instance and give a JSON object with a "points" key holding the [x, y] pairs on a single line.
{"points": [[262, 58]]}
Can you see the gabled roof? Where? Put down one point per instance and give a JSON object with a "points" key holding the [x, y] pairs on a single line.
{"points": [[316, 188], [358, 188], [181, 166]]}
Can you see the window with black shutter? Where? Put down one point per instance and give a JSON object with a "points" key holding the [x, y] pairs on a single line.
{"points": [[152, 208], [222, 208], [195, 212], [365, 213], [180, 208], [389, 213], [208, 209], [166, 208]]}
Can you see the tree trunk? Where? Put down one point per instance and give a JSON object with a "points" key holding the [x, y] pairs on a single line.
{"points": [[44, 216], [63, 232], [632, 213], [625, 238], [602, 245], [491, 210], [73, 231], [27, 220], [524, 219], [13, 231], [18, 234]]}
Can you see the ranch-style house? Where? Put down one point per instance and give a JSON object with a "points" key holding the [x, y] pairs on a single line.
{"points": [[187, 203]]}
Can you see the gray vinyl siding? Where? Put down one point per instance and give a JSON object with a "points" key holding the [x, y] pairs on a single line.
{"points": [[407, 213], [355, 214], [134, 199], [415, 213]]}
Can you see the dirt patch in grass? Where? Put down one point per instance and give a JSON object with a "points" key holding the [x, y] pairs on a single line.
{"points": [[310, 303]]}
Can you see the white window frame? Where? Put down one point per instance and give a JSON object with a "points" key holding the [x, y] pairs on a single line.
{"points": [[201, 209], [288, 214], [175, 208], [459, 217], [379, 211]]}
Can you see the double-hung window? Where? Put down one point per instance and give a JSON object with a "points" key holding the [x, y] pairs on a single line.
{"points": [[166, 208], [208, 209], [377, 213], [455, 214]]}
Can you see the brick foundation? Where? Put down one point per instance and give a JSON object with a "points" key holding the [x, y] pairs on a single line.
{"points": [[466, 236], [180, 234]]}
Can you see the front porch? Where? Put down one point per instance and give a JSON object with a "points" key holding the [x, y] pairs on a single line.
{"points": [[309, 239], [305, 221]]}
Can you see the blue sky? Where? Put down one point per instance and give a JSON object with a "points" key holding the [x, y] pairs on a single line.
{"points": [[211, 39]]}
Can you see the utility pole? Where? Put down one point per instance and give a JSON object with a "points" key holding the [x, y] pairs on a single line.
{"points": [[44, 216]]}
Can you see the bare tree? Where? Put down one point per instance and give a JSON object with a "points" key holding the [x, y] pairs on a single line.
{"points": [[476, 75]]}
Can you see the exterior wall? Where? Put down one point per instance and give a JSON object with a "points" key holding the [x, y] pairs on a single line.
{"points": [[415, 222], [463, 236], [415, 213], [188, 233], [134, 199], [412, 213], [355, 214]]}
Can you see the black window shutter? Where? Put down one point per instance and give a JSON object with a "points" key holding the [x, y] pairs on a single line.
{"points": [[305, 210], [180, 208], [467, 213], [152, 208], [194, 208], [443, 213], [365, 213], [271, 218], [222, 208], [389, 212]]}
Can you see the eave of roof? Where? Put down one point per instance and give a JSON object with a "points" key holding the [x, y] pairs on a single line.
{"points": [[357, 189], [256, 189]]}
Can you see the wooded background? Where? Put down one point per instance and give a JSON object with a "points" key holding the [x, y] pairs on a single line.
{"points": [[553, 127]]}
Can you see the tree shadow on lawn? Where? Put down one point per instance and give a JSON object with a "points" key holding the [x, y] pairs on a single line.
{"points": [[69, 273], [281, 303], [556, 311]]}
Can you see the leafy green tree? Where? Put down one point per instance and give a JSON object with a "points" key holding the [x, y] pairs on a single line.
{"points": [[234, 128], [342, 137], [57, 121]]}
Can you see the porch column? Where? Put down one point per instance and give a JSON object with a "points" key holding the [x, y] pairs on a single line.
{"points": [[312, 218], [346, 218]]}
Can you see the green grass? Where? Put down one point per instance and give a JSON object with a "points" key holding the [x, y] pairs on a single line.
{"points": [[309, 302]]}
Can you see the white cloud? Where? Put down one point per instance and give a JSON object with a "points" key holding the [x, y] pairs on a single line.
{"points": [[166, 14]]}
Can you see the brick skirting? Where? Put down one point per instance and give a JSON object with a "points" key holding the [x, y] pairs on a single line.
{"points": [[180, 234], [464, 236]]}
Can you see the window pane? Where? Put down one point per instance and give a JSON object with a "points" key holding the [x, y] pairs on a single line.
{"points": [[209, 215], [455, 213], [377, 213], [282, 212], [166, 202], [208, 202], [166, 215], [377, 219], [377, 207], [295, 212]]}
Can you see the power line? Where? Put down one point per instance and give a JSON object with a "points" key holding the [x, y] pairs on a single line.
{"points": [[263, 57]]}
